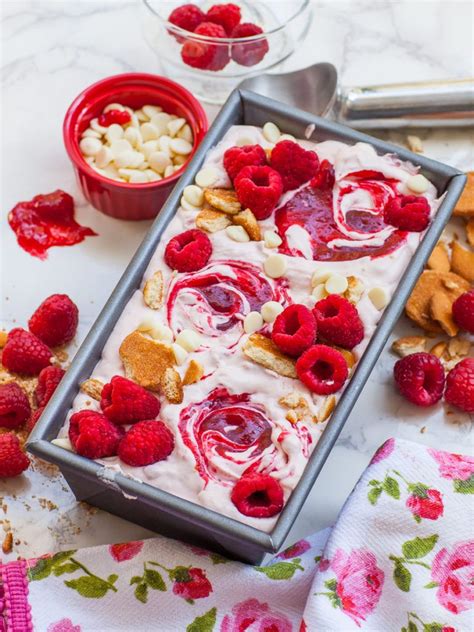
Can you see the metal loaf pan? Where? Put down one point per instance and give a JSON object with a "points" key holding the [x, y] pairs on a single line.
{"points": [[158, 510]]}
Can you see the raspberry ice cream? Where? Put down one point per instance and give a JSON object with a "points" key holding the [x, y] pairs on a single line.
{"points": [[232, 398]]}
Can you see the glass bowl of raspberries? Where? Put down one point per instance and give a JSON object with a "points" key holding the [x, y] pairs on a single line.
{"points": [[211, 47]]}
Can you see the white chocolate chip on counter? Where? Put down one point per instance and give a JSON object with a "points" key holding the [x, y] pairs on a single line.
{"points": [[271, 132], [189, 340], [336, 284], [180, 354], [320, 276], [194, 195], [206, 177], [237, 233], [379, 297], [275, 266], [272, 239], [90, 146], [270, 311], [418, 184], [253, 322]]}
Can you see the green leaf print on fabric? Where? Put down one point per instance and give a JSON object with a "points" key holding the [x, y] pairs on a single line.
{"points": [[419, 547], [46, 565], [281, 570], [204, 623], [91, 587], [413, 551], [401, 576], [464, 487], [150, 579], [389, 485], [412, 626]]}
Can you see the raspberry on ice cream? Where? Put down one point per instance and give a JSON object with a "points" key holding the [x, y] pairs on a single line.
{"points": [[420, 378], [408, 212], [205, 54], [252, 52], [124, 402], [259, 188], [24, 353], [460, 385], [93, 435], [146, 442], [226, 15], [258, 495], [187, 17], [463, 311], [295, 164], [325, 176], [14, 406], [322, 369], [236, 158], [48, 381], [338, 321], [55, 320], [188, 251], [13, 461], [294, 330]]}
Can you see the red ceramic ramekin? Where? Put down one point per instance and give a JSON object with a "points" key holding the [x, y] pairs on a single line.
{"points": [[121, 199]]}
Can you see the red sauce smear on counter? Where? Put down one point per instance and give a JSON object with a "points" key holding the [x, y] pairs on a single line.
{"points": [[46, 221]]}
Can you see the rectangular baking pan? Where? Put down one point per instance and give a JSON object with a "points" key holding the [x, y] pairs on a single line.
{"points": [[158, 510]]}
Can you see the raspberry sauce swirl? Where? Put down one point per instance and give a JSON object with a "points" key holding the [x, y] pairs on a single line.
{"points": [[229, 434], [215, 300], [343, 223]]}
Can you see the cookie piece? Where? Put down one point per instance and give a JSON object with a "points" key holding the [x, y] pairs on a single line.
{"points": [[470, 231], [439, 259], [145, 360], [263, 351], [462, 261], [172, 386], [408, 345], [93, 388], [249, 222], [153, 290], [465, 205], [194, 373], [326, 409], [212, 221], [441, 311], [355, 289], [224, 200]]}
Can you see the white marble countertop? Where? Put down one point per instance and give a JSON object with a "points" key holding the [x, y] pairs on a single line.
{"points": [[51, 51]]}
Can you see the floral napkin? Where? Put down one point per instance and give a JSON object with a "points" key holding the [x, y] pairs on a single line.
{"points": [[401, 558]]}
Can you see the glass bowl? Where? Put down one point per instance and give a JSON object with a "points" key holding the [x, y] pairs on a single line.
{"points": [[220, 64]]}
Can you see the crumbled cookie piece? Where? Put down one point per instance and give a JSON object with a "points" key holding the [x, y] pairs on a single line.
{"points": [[439, 348], [355, 289], [145, 360], [212, 221], [172, 386], [458, 348], [249, 222], [194, 373], [153, 290], [430, 282], [292, 400], [3, 338], [462, 261], [348, 356], [93, 388], [408, 345], [439, 259], [327, 408], [441, 311], [224, 200], [263, 351], [414, 144], [299, 408], [470, 231], [7, 544], [465, 205]]}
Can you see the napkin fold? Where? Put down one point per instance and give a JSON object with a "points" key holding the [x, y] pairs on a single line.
{"points": [[400, 557]]}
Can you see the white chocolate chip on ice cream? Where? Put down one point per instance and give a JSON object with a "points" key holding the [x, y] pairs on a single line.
{"points": [[379, 297], [271, 132], [63, 442], [320, 276], [180, 354], [336, 284], [418, 184], [237, 233], [270, 311], [253, 322], [319, 292], [206, 177], [189, 340], [272, 239], [275, 266], [194, 195]]}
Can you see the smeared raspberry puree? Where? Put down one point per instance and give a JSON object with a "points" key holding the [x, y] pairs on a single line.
{"points": [[46, 221]]}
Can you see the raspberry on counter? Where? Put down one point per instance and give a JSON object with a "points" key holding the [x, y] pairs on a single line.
{"points": [[460, 385], [55, 321], [24, 353], [420, 378], [48, 381], [463, 311], [15, 408], [13, 461]]}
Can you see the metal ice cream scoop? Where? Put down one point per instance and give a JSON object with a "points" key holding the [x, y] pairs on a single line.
{"points": [[421, 104]]}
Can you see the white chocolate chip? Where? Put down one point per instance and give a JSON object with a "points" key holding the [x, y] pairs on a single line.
{"points": [[90, 146], [90, 133], [132, 134], [175, 125], [287, 137], [159, 161], [187, 206], [275, 266], [130, 159], [180, 160], [180, 354], [104, 156], [138, 177], [160, 332], [180, 146], [270, 311], [169, 171], [418, 184], [114, 132], [320, 276], [114, 106], [95, 126], [63, 442], [319, 292], [379, 297], [336, 284], [189, 340], [186, 133], [237, 233], [119, 146], [141, 116], [149, 131], [253, 322], [272, 239], [152, 175], [149, 148], [164, 144], [271, 132], [243, 141], [151, 110], [194, 195], [160, 121], [206, 177]]}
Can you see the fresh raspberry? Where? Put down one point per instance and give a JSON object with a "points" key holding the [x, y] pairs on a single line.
{"points": [[325, 176], [258, 495], [460, 385], [463, 311], [13, 461], [48, 380], [187, 17], [31, 423], [93, 435], [55, 320], [236, 158], [295, 164], [252, 52], [259, 189], [294, 330], [57, 206], [146, 442], [338, 321], [420, 378], [120, 117], [226, 15], [322, 369], [188, 251], [14, 406], [408, 212], [24, 353], [125, 402], [204, 54]]}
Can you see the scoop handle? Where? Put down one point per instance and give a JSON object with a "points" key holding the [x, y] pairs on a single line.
{"points": [[423, 104]]}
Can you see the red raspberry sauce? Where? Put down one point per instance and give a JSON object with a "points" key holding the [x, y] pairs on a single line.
{"points": [[46, 221], [312, 209]]}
